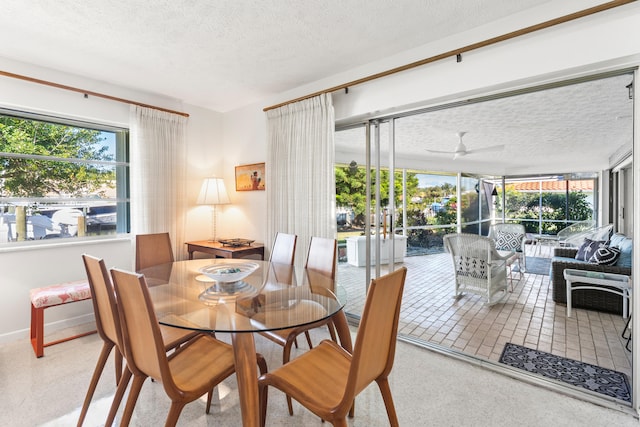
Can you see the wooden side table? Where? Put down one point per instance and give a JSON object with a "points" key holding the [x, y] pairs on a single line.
{"points": [[222, 251]]}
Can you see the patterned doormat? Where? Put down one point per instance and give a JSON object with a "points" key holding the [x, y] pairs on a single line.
{"points": [[595, 378]]}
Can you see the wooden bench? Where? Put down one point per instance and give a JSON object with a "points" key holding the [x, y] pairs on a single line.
{"points": [[51, 296]]}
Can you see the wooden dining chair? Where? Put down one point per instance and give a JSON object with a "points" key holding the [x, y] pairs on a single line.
{"points": [[153, 249], [109, 330], [321, 258], [284, 249], [327, 378], [186, 374], [283, 253]]}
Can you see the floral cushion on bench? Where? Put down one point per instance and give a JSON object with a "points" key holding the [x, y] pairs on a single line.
{"points": [[60, 294]]}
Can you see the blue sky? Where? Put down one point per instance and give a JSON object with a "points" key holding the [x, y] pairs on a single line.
{"points": [[109, 140], [426, 180]]}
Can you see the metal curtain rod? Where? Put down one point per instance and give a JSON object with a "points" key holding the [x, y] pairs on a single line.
{"points": [[460, 51], [88, 92]]}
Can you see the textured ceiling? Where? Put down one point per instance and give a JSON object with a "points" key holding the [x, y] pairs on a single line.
{"points": [[224, 54], [560, 128], [576, 127]]}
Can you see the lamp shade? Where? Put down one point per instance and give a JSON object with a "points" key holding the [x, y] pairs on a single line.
{"points": [[213, 192]]}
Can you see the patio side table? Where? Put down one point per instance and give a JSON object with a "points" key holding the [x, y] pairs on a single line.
{"points": [[618, 284], [549, 240]]}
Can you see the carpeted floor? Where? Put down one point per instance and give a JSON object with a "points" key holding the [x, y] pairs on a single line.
{"points": [[595, 378], [428, 389]]}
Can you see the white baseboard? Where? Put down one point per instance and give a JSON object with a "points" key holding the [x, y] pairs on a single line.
{"points": [[48, 328]]}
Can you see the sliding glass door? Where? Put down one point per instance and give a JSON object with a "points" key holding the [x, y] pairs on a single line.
{"points": [[367, 191], [405, 181]]}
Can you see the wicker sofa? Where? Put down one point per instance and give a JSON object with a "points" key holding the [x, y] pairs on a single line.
{"points": [[586, 298]]}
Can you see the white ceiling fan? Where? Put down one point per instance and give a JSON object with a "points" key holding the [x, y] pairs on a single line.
{"points": [[461, 149]]}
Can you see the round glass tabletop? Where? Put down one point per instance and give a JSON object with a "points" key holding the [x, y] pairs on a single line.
{"points": [[236, 295]]}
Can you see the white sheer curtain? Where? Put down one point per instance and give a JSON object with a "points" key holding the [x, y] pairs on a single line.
{"points": [[157, 168], [300, 172]]}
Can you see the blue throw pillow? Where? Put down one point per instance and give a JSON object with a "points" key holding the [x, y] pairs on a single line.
{"points": [[625, 253], [616, 239], [605, 255], [588, 248]]}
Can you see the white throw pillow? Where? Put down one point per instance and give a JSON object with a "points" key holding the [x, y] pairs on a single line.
{"points": [[506, 241]]}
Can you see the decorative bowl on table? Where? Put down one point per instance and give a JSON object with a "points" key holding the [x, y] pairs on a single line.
{"points": [[229, 273], [227, 278]]}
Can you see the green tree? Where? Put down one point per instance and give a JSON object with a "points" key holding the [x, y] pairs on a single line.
{"points": [[524, 205], [21, 177], [351, 189], [448, 213]]}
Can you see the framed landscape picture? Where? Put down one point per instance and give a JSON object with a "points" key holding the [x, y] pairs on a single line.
{"points": [[250, 177]]}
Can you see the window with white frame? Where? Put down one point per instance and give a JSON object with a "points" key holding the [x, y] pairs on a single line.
{"points": [[61, 179]]}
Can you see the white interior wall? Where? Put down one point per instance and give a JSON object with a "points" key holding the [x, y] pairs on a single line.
{"points": [[24, 266], [245, 136], [205, 158]]}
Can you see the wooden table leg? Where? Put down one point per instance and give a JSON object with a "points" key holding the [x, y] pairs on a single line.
{"points": [[244, 349], [342, 328]]}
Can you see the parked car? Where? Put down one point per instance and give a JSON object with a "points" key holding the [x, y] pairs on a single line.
{"points": [[60, 221]]}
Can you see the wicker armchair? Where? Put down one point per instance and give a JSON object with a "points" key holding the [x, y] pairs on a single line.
{"points": [[583, 298], [497, 231], [478, 267]]}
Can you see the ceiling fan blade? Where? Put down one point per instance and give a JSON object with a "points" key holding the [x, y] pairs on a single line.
{"points": [[439, 152], [460, 149], [486, 149]]}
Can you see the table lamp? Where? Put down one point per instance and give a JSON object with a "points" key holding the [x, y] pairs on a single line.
{"points": [[214, 193]]}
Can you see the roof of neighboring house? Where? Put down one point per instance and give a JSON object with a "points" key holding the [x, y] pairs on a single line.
{"points": [[574, 185]]}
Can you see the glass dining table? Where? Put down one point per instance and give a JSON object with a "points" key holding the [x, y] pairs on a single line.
{"points": [[271, 297]]}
